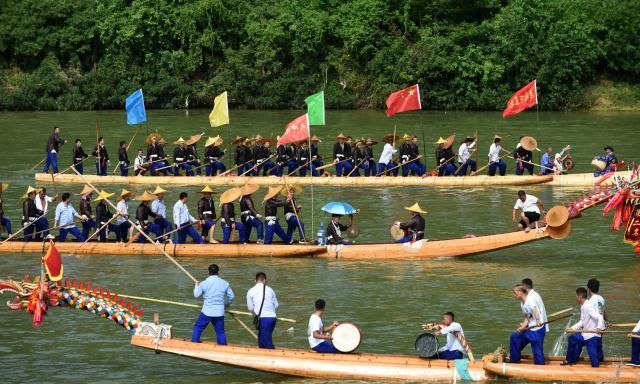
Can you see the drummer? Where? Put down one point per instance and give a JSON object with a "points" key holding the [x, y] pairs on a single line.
{"points": [[319, 335], [609, 159], [414, 228], [453, 350], [334, 231]]}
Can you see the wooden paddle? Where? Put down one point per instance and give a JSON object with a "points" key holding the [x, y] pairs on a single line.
{"points": [[568, 312], [128, 145], [175, 230], [299, 168], [173, 165], [485, 166], [440, 166], [228, 171], [530, 162], [80, 162], [256, 165], [595, 331], [330, 165], [356, 167], [295, 212], [400, 165], [40, 162]]}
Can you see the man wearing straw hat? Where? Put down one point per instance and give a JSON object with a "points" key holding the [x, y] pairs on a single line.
{"points": [[53, 146], [262, 156], [495, 160], [371, 168], [85, 210], [304, 160], [248, 215], [213, 156], [65, 214], [445, 156], [414, 228], [104, 216], [243, 155], [316, 159], [271, 204], [180, 158], [160, 210], [156, 156], [4, 221], [414, 151], [207, 214], [183, 221], [192, 154], [342, 154], [123, 214], [143, 212], [30, 213], [228, 216], [291, 214], [524, 155]]}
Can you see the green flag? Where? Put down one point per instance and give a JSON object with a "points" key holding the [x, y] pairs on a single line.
{"points": [[315, 108]]}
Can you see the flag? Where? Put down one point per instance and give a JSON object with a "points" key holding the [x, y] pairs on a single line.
{"points": [[135, 108], [53, 263], [525, 98], [407, 99], [220, 113], [296, 130], [315, 108]]}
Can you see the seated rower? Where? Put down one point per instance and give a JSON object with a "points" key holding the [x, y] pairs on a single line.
{"points": [[122, 221], [140, 166], [635, 346], [248, 215], [291, 211], [213, 156], [590, 319], [207, 215], [104, 218], [610, 160], [181, 158], [271, 204], [530, 208], [334, 231], [85, 210], [65, 214], [453, 350], [228, 216], [316, 159], [414, 228], [319, 335], [160, 209], [143, 212]]}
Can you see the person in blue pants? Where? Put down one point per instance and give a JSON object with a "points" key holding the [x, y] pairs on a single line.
{"points": [[53, 146], [181, 159], [228, 216], [272, 226], [249, 215], [342, 154], [319, 335], [291, 211], [635, 346], [495, 161], [590, 319], [86, 210], [218, 296], [65, 214], [530, 331], [183, 221], [453, 350], [262, 302]]}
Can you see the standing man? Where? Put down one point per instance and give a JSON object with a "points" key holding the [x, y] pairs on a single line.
{"points": [[103, 216], [207, 214], [218, 296], [597, 302], [414, 228], [420, 167], [123, 158], [160, 209], [590, 319], [102, 158], [183, 220], [371, 165], [53, 146], [464, 156], [243, 155], [445, 158], [530, 208], [342, 154], [156, 157], [262, 302], [530, 331], [248, 215], [42, 201], [291, 214], [65, 214], [386, 157], [85, 210], [271, 204], [140, 167], [495, 158], [122, 221], [319, 335], [78, 157]]}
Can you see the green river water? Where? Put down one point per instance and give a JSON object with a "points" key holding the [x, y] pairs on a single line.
{"points": [[388, 299]]}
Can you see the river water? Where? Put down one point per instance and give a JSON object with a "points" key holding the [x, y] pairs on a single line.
{"points": [[388, 299]]}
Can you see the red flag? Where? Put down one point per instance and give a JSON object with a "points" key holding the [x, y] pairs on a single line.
{"points": [[407, 99], [525, 98], [296, 130], [53, 263]]}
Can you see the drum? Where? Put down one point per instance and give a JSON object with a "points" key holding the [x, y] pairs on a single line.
{"points": [[346, 337], [426, 344], [599, 164], [353, 231], [567, 164], [396, 233]]}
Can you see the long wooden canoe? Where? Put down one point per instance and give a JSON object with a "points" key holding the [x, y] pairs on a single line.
{"points": [[302, 363], [418, 250], [611, 370]]}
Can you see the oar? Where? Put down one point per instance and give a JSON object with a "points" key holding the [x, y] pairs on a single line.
{"points": [[356, 167], [80, 162], [530, 162], [622, 325], [443, 164], [256, 165], [228, 171], [595, 331], [400, 165], [568, 312], [52, 228], [173, 165], [485, 166], [128, 145], [103, 226], [149, 162], [174, 231], [295, 212], [21, 230], [40, 162], [299, 168], [242, 323], [330, 164]]}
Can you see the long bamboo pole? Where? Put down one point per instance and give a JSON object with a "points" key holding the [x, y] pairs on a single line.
{"points": [[40, 162], [295, 212], [400, 165], [21, 230], [128, 145], [103, 226], [80, 162]]}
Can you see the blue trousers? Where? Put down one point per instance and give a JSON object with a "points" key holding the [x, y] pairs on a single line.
{"points": [[292, 225], [123, 230], [159, 164], [42, 226], [201, 324], [501, 165], [448, 355], [446, 170], [187, 169], [164, 225], [369, 168], [6, 223], [101, 168], [407, 238], [253, 223], [574, 348], [384, 167], [325, 347], [206, 227], [519, 340], [52, 160], [191, 232], [27, 234], [265, 167], [635, 350], [277, 170], [343, 168], [79, 167], [316, 164], [416, 168], [226, 232], [245, 168], [86, 227], [522, 167], [272, 229], [112, 228], [212, 168], [73, 230], [604, 171], [468, 164], [195, 165], [153, 228], [309, 168], [265, 333], [124, 170]]}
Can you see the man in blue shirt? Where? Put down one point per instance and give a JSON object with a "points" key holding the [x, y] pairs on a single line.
{"points": [[65, 214], [217, 298]]}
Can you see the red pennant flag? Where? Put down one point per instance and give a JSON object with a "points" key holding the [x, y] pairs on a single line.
{"points": [[296, 130], [525, 98], [53, 263], [407, 99]]}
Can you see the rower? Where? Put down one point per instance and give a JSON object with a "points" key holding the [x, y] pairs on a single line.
{"points": [[316, 159], [453, 350], [143, 212], [334, 231], [103, 216], [159, 208], [102, 157], [291, 212], [635, 347], [523, 158], [342, 153], [303, 158], [213, 156], [85, 210], [42, 201], [262, 156], [421, 168], [156, 157], [464, 156], [405, 155], [123, 159], [243, 155], [192, 154], [281, 160], [610, 161], [271, 204], [292, 162], [386, 157], [64, 216], [445, 157], [228, 216], [535, 298], [547, 161], [530, 208], [207, 215], [248, 215], [414, 228], [180, 159], [495, 161], [122, 207], [597, 301], [53, 146], [140, 167], [319, 335], [370, 166], [218, 296], [531, 330], [30, 213], [78, 157], [4, 221], [590, 319], [263, 303], [558, 161], [358, 157], [184, 221]]}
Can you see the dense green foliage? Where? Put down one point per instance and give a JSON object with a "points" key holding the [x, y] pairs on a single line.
{"points": [[466, 54]]}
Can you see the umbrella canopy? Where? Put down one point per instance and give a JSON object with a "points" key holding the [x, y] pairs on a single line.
{"points": [[339, 208]]}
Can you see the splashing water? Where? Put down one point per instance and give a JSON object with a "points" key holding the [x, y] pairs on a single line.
{"points": [[560, 346]]}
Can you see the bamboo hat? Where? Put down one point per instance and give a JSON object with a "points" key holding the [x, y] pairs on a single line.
{"points": [[529, 143], [273, 191], [239, 139], [559, 232], [194, 139], [30, 189], [249, 189], [123, 194], [341, 136], [370, 141], [230, 195], [497, 137], [207, 189], [3, 187], [315, 138], [215, 141], [297, 189], [415, 208], [158, 190], [162, 141], [557, 216], [103, 195], [146, 196], [396, 233], [150, 136], [441, 140], [406, 137], [449, 142], [257, 138], [180, 141], [86, 190]]}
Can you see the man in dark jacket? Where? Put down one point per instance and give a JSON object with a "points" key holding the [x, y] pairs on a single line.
{"points": [[414, 228], [53, 146]]}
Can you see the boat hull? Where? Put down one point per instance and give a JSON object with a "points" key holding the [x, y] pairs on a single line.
{"points": [[302, 363]]}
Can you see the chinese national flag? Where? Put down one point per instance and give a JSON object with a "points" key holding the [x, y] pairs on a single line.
{"points": [[296, 130], [525, 98], [53, 263], [407, 99]]}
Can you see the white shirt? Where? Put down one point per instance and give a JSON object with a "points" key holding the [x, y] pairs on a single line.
{"points": [[123, 209], [39, 205], [636, 328], [254, 299], [138, 163], [528, 205], [158, 207], [181, 214], [589, 319], [494, 152], [464, 153], [597, 302], [534, 300], [453, 344], [558, 167], [315, 324], [387, 154]]}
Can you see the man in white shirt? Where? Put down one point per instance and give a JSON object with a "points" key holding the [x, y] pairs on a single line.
{"points": [[635, 346], [453, 350], [386, 157], [464, 156], [319, 335], [262, 301], [590, 320], [530, 331], [530, 208], [139, 165], [597, 302], [42, 201], [183, 220], [122, 221], [495, 160], [535, 301], [160, 209], [65, 213]]}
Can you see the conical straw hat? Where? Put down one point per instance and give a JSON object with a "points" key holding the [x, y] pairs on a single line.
{"points": [[529, 143], [415, 208], [239, 139], [297, 189], [249, 189], [557, 216], [441, 140], [86, 190], [273, 191], [3, 187], [559, 232], [207, 189], [341, 136], [230, 195], [103, 195], [179, 141], [194, 139], [158, 190], [449, 142], [146, 196], [123, 194]]}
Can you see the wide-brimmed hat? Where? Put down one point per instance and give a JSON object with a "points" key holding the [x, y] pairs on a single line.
{"points": [[341, 136], [315, 138], [406, 137], [529, 143], [273, 191], [230, 195], [103, 195], [295, 187], [180, 141], [449, 141], [257, 138], [194, 139], [86, 190], [239, 139], [559, 232], [150, 136], [441, 140], [145, 196], [162, 141], [207, 189], [497, 137], [249, 189], [396, 232], [415, 208], [158, 190], [557, 216], [123, 194], [30, 189], [3, 187], [370, 141], [215, 141]]}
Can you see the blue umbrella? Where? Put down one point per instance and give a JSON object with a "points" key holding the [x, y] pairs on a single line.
{"points": [[339, 208]]}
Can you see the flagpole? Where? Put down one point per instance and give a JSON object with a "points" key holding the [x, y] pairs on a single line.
{"points": [[313, 208]]}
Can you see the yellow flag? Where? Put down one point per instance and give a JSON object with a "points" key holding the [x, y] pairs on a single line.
{"points": [[220, 113]]}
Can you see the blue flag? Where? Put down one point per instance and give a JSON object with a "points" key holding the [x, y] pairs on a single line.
{"points": [[135, 108]]}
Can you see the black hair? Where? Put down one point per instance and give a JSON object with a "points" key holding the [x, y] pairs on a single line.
{"points": [[99, 139], [320, 304], [123, 143], [44, 190], [66, 196], [527, 282], [581, 292], [520, 288], [213, 269], [139, 149], [77, 141], [183, 195], [594, 285], [55, 127], [261, 275], [521, 193], [451, 315]]}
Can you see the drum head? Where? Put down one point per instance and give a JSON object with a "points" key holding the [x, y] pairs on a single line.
{"points": [[599, 165], [396, 233], [426, 344], [568, 164], [346, 337]]}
